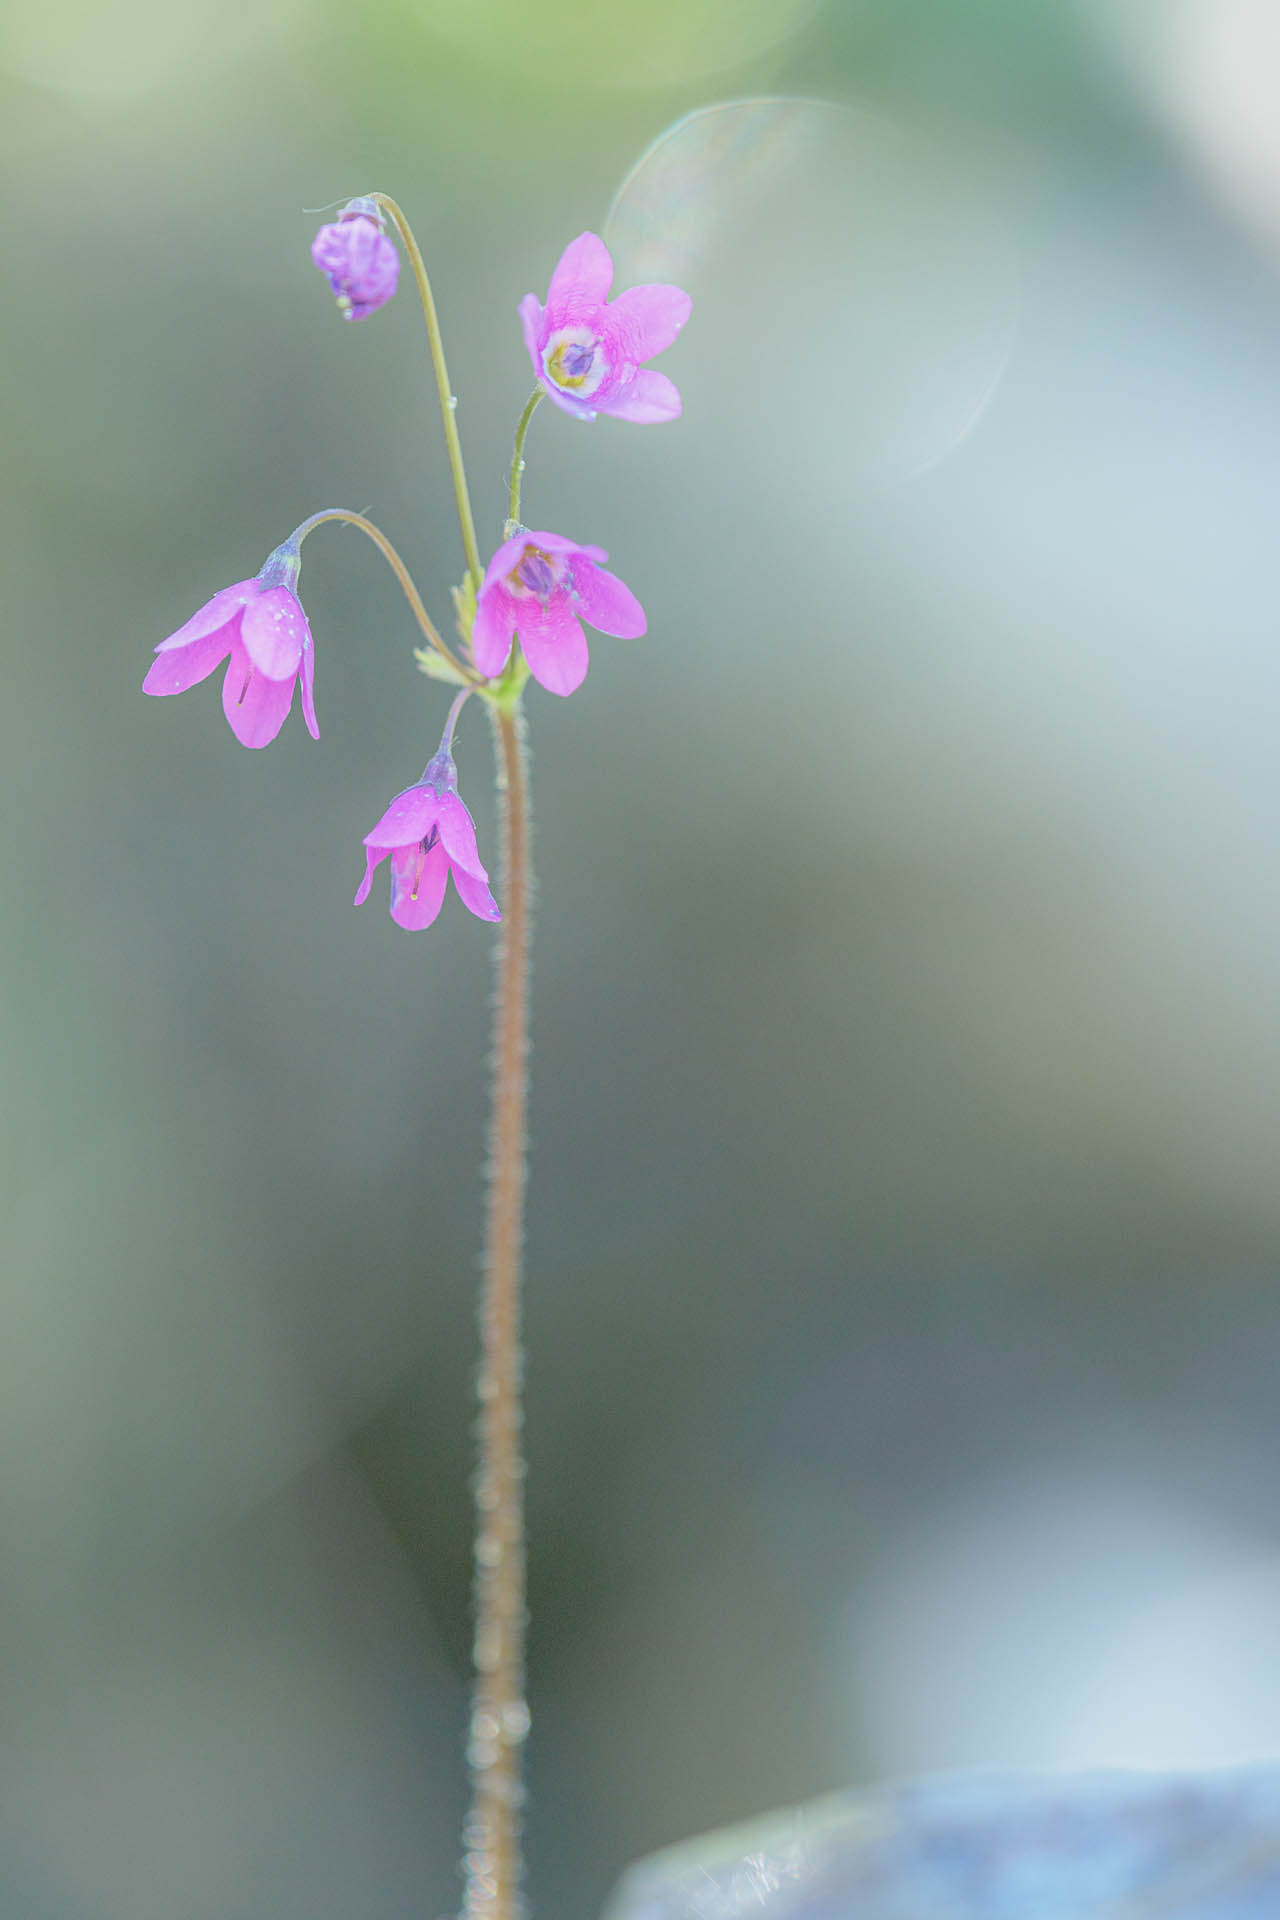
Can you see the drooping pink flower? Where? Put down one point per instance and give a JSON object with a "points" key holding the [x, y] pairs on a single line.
{"points": [[587, 349], [360, 262], [260, 624], [542, 587], [429, 835]]}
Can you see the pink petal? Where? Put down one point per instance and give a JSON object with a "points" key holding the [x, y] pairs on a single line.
{"points": [[408, 819], [215, 613], [650, 398], [457, 830], [372, 860], [275, 633], [184, 667], [555, 543], [495, 622], [645, 320], [554, 645], [505, 558], [606, 604], [531, 319], [475, 896], [307, 678], [581, 282], [580, 409], [255, 706], [418, 882]]}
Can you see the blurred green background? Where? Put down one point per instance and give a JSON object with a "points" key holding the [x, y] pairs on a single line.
{"points": [[903, 1321]]}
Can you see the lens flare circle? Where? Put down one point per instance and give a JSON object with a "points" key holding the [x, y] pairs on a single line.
{"points": [[854, 282]]}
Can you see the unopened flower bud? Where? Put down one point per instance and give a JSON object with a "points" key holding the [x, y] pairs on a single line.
{"points": [[357, 258]]}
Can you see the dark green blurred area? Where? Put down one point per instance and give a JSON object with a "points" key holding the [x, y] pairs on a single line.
{"points": [[903, 1323]]}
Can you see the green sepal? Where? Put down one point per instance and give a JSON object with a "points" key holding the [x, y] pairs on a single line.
{"points": [[505, 691]]}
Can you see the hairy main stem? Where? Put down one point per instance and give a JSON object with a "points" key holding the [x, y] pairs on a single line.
{"points": [[500, 1718]]}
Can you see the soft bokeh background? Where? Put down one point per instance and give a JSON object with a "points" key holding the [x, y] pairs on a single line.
{"points": [[903, 1311]]}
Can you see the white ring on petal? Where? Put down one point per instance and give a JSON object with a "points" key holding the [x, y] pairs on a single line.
{"points": [[576, 337]]}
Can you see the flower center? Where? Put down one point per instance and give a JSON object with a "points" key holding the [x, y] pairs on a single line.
{"points": [[574, 362], [536, 571]]}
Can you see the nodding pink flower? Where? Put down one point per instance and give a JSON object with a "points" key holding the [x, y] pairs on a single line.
{"points": [[542, 587], [360, 262], [587, 349], [261, 625], [429, 835]]}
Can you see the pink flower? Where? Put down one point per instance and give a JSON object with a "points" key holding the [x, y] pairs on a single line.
{"points": [[360, 262], [543, 587], [429, 835], [587, 349], [261, 626]]}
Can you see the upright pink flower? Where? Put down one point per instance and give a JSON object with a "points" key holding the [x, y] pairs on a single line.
{"points": [[260, 624], [543, 587], [359, 261], [587, 349], [429, 835]]}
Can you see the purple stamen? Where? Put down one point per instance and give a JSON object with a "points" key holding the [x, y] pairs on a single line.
{"points": [[576, 359], [536, 573]]}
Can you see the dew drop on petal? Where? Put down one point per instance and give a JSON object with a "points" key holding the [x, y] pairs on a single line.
{"points": [[853, 281]]}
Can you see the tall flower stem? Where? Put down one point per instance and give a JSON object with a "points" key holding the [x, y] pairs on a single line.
{"points": [[399, 569], [517, 460], [448, 399], [500, 1718]]}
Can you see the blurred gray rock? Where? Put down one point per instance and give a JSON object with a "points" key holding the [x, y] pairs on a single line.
{"points": [[1095, 1846]]}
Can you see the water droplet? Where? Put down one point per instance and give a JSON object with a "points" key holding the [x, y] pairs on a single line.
{"points": [[515, 1722], [453, 401]]}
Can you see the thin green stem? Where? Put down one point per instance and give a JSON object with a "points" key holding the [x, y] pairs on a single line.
{"points": [[517, 460], [401, 572], [500, 1718], [448, 399], [459, 702]]}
